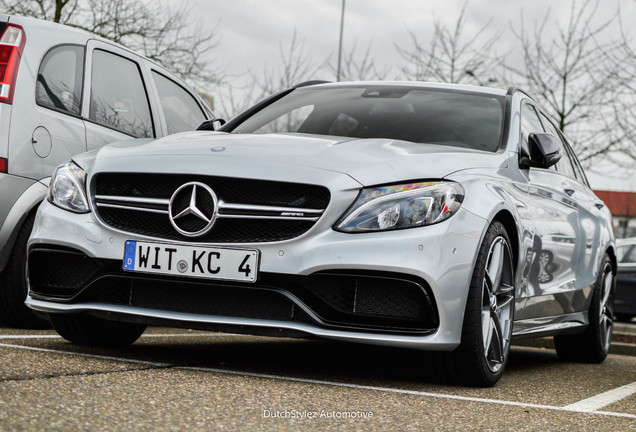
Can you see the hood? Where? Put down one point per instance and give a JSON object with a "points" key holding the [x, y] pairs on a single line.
{"points": [[281, 156]]}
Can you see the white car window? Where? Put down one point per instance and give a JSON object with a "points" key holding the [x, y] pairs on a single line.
{"points": [[181, 111], [118, 96], [59, 82]]}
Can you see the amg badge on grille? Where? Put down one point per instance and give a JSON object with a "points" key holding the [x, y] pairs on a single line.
{"points": [[193, 209]]}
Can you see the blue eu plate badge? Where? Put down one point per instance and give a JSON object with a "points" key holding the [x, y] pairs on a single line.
{"points": [[129, 255]]}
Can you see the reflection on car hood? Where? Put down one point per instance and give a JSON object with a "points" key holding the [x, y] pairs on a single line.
{"points": [[369, 161]]}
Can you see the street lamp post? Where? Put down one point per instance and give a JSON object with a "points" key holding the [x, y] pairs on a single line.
{"points": [[340, 45]]}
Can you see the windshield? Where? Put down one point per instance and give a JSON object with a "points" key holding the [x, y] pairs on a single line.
{"points": [[454, 118]]}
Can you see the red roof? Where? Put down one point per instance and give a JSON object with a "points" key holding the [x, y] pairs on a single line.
{"points": [[619, 203]]}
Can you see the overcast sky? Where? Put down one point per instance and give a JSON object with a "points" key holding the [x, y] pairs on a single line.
{"points": [[252, 31]]}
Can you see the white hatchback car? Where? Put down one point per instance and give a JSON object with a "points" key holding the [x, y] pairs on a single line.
{"points": [[430, 216], [64, 91]]}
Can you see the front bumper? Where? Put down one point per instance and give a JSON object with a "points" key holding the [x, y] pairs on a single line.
{"points": [[401, 288]]}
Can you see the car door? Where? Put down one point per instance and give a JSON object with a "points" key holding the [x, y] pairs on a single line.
{"points": [[585, 258], [553, 220], [117, 104]]}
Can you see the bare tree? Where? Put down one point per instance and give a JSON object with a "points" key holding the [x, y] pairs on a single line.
{"points": [[50, 10], [359, 67], [623, 65], [159, 30], [296, 65], [573, 75], [451, 55], [234, 95]]}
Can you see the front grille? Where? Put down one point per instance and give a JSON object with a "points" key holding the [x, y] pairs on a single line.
{"points": [[61, 273], [191, 297], [390, 301], [224, 231], [248, 210], [228, 189]]}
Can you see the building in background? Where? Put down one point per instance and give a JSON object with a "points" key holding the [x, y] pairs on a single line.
{"points": [[622, 205], [613, 179]]}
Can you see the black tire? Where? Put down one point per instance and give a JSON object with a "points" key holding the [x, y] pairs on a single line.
{"points": [[592, 346], [483, 353], [88, 330], [13, 287]]}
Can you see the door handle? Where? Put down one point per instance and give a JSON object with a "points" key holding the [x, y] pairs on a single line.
{"points": [[599, 204]]}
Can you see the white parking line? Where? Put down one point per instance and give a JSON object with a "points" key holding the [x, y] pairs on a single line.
{"points": [[94, 356], [150, 335], [30, 336], [344, 385], [602, 400], [402, 391]]}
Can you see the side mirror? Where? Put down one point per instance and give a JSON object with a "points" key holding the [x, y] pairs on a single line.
{"points": [[212, 125], [545, 151]]}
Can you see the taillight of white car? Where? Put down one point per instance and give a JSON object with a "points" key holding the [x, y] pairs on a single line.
{"points": [[11, 45]]}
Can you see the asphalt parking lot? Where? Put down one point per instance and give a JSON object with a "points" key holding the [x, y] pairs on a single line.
{"points": [[189, 380]]}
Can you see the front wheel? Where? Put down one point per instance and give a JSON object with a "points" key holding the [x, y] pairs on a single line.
{"points": [[592, 346], [483, 353], [89, 330]]}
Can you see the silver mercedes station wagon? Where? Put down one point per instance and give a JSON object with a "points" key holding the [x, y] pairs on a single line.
{"points": [[436, 217]]}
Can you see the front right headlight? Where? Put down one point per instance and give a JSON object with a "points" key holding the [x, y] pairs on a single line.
{"points": [[402, 206], [68, 188]]}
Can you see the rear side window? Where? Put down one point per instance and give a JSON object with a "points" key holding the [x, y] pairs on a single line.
{"points": [[59, 82], [118, 96], [181, 110]]}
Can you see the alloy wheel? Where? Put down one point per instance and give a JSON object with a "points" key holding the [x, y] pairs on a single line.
{"points": [[497, 304], [606, 312]]}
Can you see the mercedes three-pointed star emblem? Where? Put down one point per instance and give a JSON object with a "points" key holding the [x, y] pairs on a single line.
{"points": [[193, 209]]}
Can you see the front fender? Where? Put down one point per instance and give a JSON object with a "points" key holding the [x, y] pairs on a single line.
{"points": [[26, 202]]}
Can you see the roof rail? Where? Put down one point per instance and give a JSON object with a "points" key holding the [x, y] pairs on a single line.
{"points": [[310, 83]]}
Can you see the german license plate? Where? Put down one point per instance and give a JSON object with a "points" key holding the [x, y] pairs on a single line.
{"points": [[191, 261]]}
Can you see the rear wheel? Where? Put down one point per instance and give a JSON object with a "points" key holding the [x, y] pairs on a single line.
{"points": [[592, 346], [88, 330], [483, 353], [13, 287]]}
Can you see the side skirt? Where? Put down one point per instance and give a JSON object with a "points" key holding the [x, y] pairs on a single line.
{"points": [[572, 323]]}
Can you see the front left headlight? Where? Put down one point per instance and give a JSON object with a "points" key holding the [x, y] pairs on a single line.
{"points": [[68, 188], [402, 206]]}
